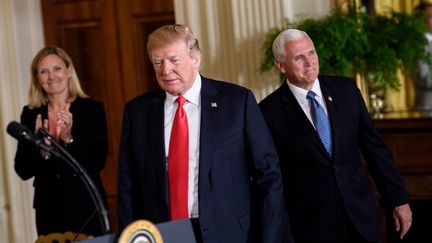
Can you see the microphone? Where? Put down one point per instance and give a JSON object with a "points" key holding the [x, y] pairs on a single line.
{"points": [[43, 133], [23, 134]]}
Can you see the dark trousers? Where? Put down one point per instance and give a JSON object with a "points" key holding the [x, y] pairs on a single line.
{"points": [[197, 230]]}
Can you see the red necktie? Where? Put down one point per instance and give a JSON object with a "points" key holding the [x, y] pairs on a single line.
{"points": [[178, 163]]}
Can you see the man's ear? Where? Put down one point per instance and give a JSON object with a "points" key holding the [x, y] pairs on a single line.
{"points": [[196, 60], [279, 66]]}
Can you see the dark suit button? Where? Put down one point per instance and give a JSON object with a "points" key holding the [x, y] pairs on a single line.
{"points": [[58, 176], [75, 175], [335, 168]]}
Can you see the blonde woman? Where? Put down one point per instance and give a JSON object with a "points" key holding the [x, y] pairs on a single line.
{"points": [[58, 104]]}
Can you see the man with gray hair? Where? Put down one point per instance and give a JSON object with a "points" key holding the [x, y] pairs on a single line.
{"points": [[320, 125]]}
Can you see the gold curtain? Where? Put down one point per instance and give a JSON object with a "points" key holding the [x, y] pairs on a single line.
{"points": [[403, 99]]}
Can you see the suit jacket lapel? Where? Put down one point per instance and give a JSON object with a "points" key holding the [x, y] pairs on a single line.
{"points": [[297, 114], [155, 128], [331, 109], [209, 131]]}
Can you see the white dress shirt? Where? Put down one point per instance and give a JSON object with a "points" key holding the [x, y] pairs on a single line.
{"points": [[193, 111], [300, 95]]}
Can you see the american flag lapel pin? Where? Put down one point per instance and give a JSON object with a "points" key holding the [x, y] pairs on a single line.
{"points": [[213, 104]]}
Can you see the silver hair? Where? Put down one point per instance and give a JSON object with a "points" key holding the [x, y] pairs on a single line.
{"points": [[282, 38]]}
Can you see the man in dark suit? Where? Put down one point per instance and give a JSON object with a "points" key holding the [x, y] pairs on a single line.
{"points": [[234, 188], [331, 198]]}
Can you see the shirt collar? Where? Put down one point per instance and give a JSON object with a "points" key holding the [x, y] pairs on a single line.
{"points": [[192, 95], [316, 88], [301, 93]]}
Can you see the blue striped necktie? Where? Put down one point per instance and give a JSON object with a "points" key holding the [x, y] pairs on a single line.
{"points": [[321, 122]]}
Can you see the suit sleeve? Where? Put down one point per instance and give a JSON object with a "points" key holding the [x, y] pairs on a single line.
{"points": [[272, 218], [126, 178], [380, 161], [27, 157]]}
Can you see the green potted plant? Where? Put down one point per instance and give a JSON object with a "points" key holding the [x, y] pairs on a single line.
{"points": [[354, 42]]}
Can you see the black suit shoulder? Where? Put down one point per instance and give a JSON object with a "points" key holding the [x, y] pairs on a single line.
{"points": [[337, 82], [142, 101], [88, 106], [226, 86], [88, 102], [230, 93], [275, 98], [344, 92]]}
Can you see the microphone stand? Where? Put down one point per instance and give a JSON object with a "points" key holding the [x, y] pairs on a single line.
{"points": [[88, 182]]}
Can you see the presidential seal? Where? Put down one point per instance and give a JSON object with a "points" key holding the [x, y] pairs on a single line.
{"points": [[141, 231]]}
